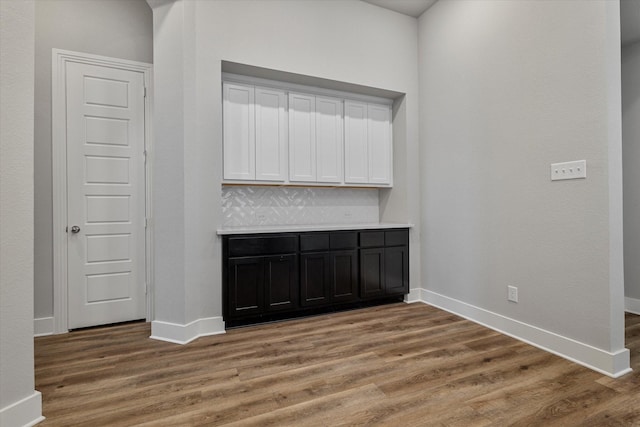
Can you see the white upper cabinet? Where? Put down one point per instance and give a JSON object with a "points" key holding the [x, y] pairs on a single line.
{"points": [[271, 134], [254, 133], [356, 149], [329, 140], [380, 148], [239, 132], [302, 137]]}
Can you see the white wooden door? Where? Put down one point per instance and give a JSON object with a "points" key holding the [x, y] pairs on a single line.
{"points": [[302, 137], [271, 134], [329, 140], [380, 147], [239, 146], [105, 195], [356, 150]]}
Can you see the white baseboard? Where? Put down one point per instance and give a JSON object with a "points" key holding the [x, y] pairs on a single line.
{"points": [[43, 326], [632, 305], [607, 363], [26, 412], [183, 334], [414, 295]]}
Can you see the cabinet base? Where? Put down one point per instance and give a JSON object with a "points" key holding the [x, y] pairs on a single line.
{"points": [[279, 317]]}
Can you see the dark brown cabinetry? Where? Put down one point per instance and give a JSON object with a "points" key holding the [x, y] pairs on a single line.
{"points": [[384, 263], [275, 276], [328, 268]]}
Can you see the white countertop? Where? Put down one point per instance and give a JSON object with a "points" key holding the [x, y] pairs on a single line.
{"points": [[294, 228]]}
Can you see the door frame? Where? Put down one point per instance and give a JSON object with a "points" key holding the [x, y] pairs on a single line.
{"points": [[60, 58]]}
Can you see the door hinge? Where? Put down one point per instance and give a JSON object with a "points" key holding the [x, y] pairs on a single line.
{"points": [[146, 222], [144, 92], [144, 153]]}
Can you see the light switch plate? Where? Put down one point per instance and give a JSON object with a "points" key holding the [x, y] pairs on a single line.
{"points": [[569, 170]]}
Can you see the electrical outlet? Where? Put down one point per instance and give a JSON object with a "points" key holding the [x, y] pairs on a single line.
{"points": [[512, 293], [569, 170]]}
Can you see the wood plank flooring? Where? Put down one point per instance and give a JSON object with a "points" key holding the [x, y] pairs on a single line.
{"points": [[394, 365]]}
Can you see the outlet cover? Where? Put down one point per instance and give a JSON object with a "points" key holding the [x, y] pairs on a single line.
{"points": [[569, 170], [512, 293]]}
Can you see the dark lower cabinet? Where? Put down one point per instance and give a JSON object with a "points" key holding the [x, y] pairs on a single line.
{"points": [[315, 273], [275, 276], [372, 272], [262, 284], [281, 282], [384, 268], [344, 276], [245, 287]]}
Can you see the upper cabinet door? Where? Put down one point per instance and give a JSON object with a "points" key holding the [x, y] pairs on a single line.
{"points": [[239, 132], [302, 137], [270, 134], [380, 148], [356, 156], [329, 139]]}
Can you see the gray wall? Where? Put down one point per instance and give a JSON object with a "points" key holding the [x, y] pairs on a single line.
{"points": [[506, 89], [115, 28], [16, 215], [631, 168]]}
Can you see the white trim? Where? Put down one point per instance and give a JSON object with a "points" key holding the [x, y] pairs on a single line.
{"points": [[25, 412], [632, 305], [414, 295], [183, 334], [43, 326], [304, 89], [613, 364], [59, 168]]}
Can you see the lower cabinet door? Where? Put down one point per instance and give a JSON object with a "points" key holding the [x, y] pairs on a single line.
{"points": [[372, 272], [396, 270], [281, 283], [245, 293], [344, 276], [315, 276]]}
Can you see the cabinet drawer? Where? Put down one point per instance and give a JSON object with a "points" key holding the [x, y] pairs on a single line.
{"points": [[314, 242], [262, 245], [369, 239], [344, 240], [396, 238]]}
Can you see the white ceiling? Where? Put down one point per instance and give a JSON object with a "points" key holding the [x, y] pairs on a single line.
{"points": [[630, 21], [413, 8]]}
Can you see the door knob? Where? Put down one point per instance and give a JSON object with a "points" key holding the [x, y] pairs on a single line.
{"points": [[75, 229]]}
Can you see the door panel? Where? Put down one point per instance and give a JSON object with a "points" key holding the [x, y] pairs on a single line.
{"points": [[238, 129], [282, 286], [372, 272], [314, 278], [246, 286], [329, 139], [302, 137], [345, 276], [271, 134], [105, 195]]}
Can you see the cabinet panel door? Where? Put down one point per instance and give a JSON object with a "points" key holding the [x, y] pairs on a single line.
{"points": [[246, 286], [271, 134], [281, 283], [380, 148], [345, 276], [302, 137], [314, 278], [396, 270], [239, 132], [356, 153], [329, 139], [371, 272]]}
